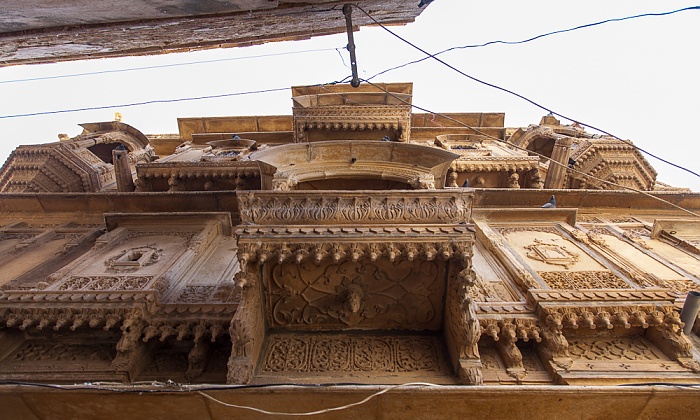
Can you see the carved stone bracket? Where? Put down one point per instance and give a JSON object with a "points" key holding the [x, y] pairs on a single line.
{"points": [[247, 333], [316, 252]]}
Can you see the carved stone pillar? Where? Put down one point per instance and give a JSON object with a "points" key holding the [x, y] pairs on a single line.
{"points": [[247, 330], [554, 347], [510, 353], [556, 174], [462, 329], [132, 353], [122, 170]]}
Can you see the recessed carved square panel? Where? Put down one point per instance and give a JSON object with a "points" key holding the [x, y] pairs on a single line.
{"points": [[381, 294]]}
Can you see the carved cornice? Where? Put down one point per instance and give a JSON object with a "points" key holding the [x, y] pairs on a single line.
{"points": [[198, 169], [616, 295], [313, 208], [521, 328], [609, 316], [495, 163], [253, 250]]}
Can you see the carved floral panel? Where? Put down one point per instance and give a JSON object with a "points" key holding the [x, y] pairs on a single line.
{"points": [[261, 208], [352, 354], [583, 280], [64, 352], [382, 294]]}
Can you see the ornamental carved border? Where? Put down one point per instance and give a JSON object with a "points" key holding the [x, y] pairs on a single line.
{"points": [[353, 354], [292, 249], [351, 208]]}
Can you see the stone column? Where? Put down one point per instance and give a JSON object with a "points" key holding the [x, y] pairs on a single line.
{"points": [[122, 170], [557, 173]]}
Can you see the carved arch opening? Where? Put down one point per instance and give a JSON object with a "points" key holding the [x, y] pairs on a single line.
{"points": [[356, 164]]}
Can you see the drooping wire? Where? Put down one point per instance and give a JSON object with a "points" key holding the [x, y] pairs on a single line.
{"points": [[536, 37], [523, 97], [565, 166], [323, 411], [161, 66]]}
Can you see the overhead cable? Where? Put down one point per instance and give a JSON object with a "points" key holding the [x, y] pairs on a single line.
{"points": [[552, 161], [157, 101], [536, 37], [161, 66], [523, 97]]}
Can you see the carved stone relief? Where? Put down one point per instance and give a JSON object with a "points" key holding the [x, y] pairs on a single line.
{"points": [[263, 208], [629, 349], [381, 294], [582, 280], [352, 354], [106, 283], [545, 248], [553, 254], [63, 352]]}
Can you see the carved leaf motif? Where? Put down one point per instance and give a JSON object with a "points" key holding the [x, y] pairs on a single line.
{"points": [[399, 294], [614, 349], [351, 354]]}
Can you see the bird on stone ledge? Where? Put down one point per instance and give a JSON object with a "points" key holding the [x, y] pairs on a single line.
{"points": [[551, 204], [424, 3], [386, 138], [235, 137], [466, 183]]}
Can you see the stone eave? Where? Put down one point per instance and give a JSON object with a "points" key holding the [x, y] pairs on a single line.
{"points": [[195, 28], [482, 402]]}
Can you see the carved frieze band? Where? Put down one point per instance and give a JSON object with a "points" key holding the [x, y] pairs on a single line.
{"points": [[515, 329], [39, 319], [627, 349], [352, 354], [104, 283], [611, 316], [315, 209], [353, 251], [63, 352], [577, 280]]}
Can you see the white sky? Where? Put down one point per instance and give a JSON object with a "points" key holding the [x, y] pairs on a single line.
{"points": [[637, 79]]}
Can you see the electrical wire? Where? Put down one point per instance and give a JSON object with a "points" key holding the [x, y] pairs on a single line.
{"points": [[323, 411], [518, 95], [161, 66], [560, 31], [567, 168], [159, 101]]}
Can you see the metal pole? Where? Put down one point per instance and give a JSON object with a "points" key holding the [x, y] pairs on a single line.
{"points": [[347, 11]]}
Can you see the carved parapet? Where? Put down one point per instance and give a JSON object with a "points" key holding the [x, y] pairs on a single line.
{"points": [[352, 118]]}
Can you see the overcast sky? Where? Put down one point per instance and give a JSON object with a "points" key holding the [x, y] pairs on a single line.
{"points": [[637, 79]]}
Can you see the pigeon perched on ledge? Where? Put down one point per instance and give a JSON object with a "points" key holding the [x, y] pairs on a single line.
{"points": [[551, 204], [424, 3]]}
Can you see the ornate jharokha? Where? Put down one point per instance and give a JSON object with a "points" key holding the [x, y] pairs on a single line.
{"points": [[351, 241]]}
